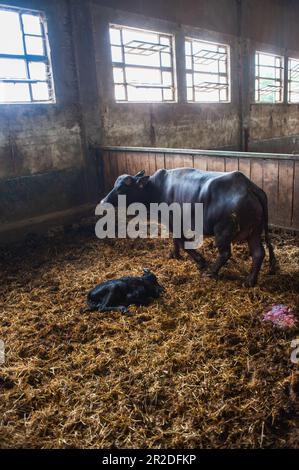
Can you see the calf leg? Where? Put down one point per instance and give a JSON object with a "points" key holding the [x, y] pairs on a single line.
{"points": [[119, 308], [257, 253], [107, 304]]}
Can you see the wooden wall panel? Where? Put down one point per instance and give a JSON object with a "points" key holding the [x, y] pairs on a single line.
{"points": [[200, 162], [136, 162], [270, 186], [231, 164], [152, 165], [285, 193], [216, 164], [295, 215], [244, 166], [160, 161], [188, 161], [108, 173], [256, 171], [174, 161], [278, 177]]}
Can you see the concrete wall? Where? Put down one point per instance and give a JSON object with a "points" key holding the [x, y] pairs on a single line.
{"points": [[43, 151], [246, 25], [180, 124], [270, 26]]}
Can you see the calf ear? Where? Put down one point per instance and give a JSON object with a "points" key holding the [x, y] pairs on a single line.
{"points": [[140, 173], [142, 182]]}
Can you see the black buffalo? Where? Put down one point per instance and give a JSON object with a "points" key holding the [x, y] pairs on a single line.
{"points": [[234, 209], [118, 294]]}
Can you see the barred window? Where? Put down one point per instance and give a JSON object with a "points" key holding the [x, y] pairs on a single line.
{"points": [[269, 71], [25, 69], [207, 71], [293, 80], [142, 65]]}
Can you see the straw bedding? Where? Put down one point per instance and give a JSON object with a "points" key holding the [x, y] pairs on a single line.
{"points": [[197, 368]]}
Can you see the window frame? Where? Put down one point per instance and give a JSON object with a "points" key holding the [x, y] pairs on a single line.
{"points": [[123, 65], [284, 63], [28, 58], [289, 81], [226, 74]]}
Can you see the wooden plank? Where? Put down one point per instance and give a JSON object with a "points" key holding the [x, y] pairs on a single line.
{"points": [[285, 192], [121, 163], [270, 186], [106, 171], [244, 166], [295, 214], [136, 161], [231, 164], [174, 161], [216, 164], [113, 169], [200, 162], [151, 163], [256, 172], [160, 161], [188, 161]]}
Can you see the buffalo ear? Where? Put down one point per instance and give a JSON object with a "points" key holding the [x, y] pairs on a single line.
{"points": [[142, 182], [140, 173]]}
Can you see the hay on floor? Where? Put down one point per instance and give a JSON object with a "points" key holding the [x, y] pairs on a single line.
{"points": [[197, 368]]}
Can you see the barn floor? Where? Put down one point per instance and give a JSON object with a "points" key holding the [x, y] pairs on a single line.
{"points": [[197, 368]]}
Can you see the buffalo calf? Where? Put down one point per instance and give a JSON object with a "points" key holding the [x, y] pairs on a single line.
{"points": [[118, 294]]}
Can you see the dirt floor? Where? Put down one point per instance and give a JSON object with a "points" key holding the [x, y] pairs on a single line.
{"points": [[197, 368]]}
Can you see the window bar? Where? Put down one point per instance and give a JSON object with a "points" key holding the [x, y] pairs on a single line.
{"points": [[192, 74], [161, 72], [47, 57], [124, 63], [258, 79], [218, 67], [172, 52], [26, 60]]}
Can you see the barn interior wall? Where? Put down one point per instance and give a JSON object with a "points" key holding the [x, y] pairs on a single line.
{"points": [[48, 153], [246, 25]]}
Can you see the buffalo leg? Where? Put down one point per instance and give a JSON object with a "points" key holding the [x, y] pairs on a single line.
{"points": [[257, 253], [197, 257], [223, 239], [175, 252], [194, 254]]}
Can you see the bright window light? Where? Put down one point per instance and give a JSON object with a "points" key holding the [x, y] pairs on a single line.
{"points": [[293, 80], [207, 71], [142, 65], [268, 78], [25, 69]]}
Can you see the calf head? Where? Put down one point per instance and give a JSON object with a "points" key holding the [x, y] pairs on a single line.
{"points": [[150, 277], [133, 187]]}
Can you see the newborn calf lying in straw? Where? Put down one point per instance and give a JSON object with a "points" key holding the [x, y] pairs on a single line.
{"points": [[118, 294]]}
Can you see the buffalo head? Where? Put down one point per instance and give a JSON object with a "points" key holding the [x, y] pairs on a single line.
{"points": [[133, 187]]}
